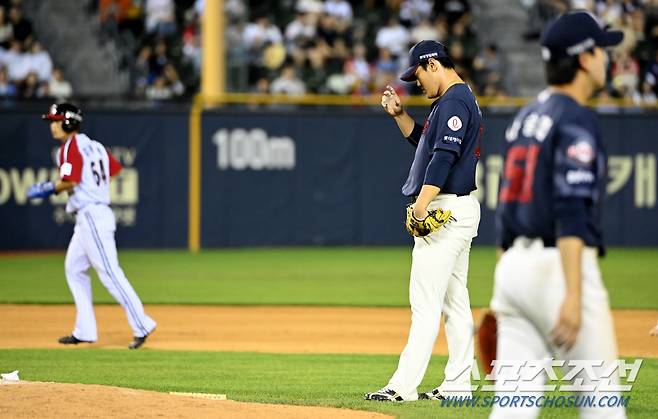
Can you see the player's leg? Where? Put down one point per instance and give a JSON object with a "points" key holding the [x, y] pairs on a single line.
{"points": [[518, 341], [433, 260], [79, 282], [102, 252], [459, 331], [521, 290], [596, 339]]}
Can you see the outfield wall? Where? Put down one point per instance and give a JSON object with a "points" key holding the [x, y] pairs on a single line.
{"points": [[283, 177]]}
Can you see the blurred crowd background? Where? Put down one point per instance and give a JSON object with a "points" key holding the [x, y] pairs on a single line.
{"points": [[151, 49]]}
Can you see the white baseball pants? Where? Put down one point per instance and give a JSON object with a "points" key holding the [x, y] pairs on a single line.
{"points": [[528, 292], [93, 244], [439, 272]]}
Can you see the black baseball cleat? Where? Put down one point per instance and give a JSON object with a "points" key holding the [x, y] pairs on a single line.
{"points": [[72, 340], [431, 395], [384, 395], [139, 341]]}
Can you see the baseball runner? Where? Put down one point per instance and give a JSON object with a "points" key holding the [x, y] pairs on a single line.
{"points": [[444, 220], [85, 168], [548, 294]]}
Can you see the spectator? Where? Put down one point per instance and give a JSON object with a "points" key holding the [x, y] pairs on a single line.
{"points": [[651, 76], [18, 65], [315, 71], [413, 12], [488, 69], [360, 70], [463, 35], [340, 9], [454, 10], [625, 75], [31, 88], [258, 34], [394, 37], [142, 75], [160, 17], [425, 30], [173, 80], [6, 29], [288, 83], [158, 60], [7, 88], [385, 62], [59, 88], [21, 27], [159, 90], [646, 97], [192, 52], [300, 31], [40, 62]]}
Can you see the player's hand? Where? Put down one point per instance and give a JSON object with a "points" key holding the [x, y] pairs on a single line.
{"points": [[391, 102], [420, 213], [654, 331], [565, 332], [41, 190]]}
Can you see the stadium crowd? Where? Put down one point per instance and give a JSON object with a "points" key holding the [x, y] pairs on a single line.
{"points": [[293, 47], [296, 47], [26, 69], [633, 66]]}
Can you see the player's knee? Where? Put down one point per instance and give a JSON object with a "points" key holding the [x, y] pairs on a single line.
{"points": [[72, 268]]}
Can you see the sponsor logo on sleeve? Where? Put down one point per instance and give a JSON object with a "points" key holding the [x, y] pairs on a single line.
{"points": [[575, 177], [455, 123], [581, 152], [449, 139]]}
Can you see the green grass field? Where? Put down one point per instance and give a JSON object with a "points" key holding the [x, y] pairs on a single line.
{"points": [[309, 276], [323, 380], [295, 276]]}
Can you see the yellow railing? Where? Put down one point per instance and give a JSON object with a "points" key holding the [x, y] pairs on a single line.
{"points": [[373, 100], [333, 100]]}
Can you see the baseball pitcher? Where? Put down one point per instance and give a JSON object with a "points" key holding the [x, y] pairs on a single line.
{"points": [[443, 219], [548, 295], [85, 168]]}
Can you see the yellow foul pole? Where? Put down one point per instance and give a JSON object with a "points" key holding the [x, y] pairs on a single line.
{"points": [[213, 79]]}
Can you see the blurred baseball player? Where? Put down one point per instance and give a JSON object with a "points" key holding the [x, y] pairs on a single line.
{"points": [[85, 168], [441, 178], [548, 293], [654, 331]]}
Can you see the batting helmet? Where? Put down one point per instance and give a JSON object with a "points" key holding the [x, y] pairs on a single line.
{"points": [[70, 115]]}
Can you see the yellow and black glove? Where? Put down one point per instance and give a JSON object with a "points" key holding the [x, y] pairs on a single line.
{"points": [[434, 220]]}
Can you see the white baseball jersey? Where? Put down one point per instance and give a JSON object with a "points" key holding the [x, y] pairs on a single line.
{"points": [[90, 165]]}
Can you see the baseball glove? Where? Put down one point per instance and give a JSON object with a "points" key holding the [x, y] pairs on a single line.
{"points": [[434, 220], [487, 340]]}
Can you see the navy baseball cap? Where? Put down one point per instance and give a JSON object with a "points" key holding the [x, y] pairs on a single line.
{"points": [[420, 54], [574, 33]]}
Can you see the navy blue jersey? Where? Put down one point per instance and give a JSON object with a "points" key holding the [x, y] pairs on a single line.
{"points": [[448, 145], [554, 174]]}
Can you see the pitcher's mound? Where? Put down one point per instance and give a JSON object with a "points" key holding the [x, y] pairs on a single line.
{"points": [[47, 400]]}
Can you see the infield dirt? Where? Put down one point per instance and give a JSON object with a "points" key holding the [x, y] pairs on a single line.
{"points": [[266, 329], [225, 328]]}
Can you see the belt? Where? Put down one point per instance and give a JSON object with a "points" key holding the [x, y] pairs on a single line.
{"points": [[533, 241], [80, 209], [415, 197]]}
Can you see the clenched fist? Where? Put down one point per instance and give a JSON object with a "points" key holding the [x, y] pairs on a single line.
{"points": [[391, 102]]}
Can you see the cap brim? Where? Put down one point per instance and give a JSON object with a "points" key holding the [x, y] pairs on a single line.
{"points": [[409, 74], [611, 38]]}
